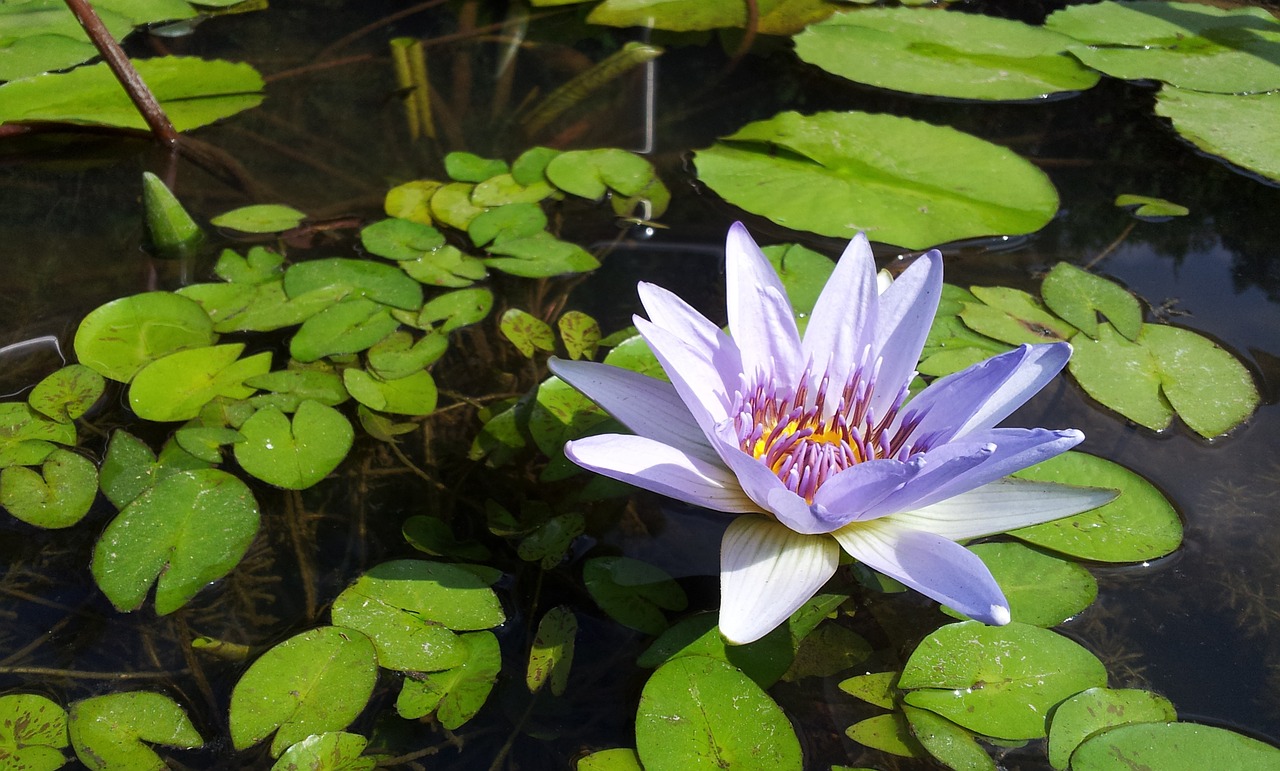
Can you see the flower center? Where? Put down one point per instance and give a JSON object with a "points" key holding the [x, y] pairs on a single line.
{"points": [[809, 434]]}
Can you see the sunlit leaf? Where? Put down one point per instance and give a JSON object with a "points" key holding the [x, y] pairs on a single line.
{"points": [[1150, 208], [400, 239], [889, 733], [774, 17], [57, 496], [260, 218], [451, 205], [1078, 296], [446, 266], [33, 732], [300, 384], [398, 355], [633, 593], [347, 327], [878, 688], [1234, 127], [619, 759], [1174, 747], [1013, 316], [332, 751], [258, 266], [469, 167], [952, 745], [540, 255], [372, 280], [580, 333], [456, 309], [176, 386], [298, 453], [108, 732], [531, 166], [130, 467], [1098, 709], [503, 189], [1042, 590], [526, 332], [516, 220], [123, 336], [413, 394], [412, 200], [551, 656], [458, 693]]}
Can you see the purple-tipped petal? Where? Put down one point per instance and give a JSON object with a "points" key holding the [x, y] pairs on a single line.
{"points": [[760, 316], [650, 407], [668, 311], [847, 496], [982, 395], [938, 468], [1001, 506], [1015, 449], [766, 573], [845, 313], [906, 311], [705, 390], [655, 466], [937, 567], [764, 487]]}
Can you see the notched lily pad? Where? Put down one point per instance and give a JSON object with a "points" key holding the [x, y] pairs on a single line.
{"points": [[57, 496], [1079, 296], [177, 386], [331, 751], [527, 332], [260, 218], [294, 454], [1099, 709], [33, 732], [120, 338], [458, 693], [67, 393], [112, 731], [632, 592]]}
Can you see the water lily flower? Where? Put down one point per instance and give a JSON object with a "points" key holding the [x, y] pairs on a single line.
{"points": [[815, 443]]}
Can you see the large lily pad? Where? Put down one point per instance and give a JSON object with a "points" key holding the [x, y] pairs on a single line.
{"points": [[902, 181], [109, 732], [1238, 128], [123, 336], [960, 55], [178, 385], [1098, 709], [1174, 747]]}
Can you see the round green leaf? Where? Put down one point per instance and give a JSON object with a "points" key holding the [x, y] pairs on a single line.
{"points": [[998, 681], [412, 200], [400, 239], [446, 266], [589, 173], [634, 593], [456, 309], [1238, 128], [1139, 525], [451, 205], [527, 332], [123, 336], [504, 189], [1210, 389], [1013, 316], [320, 386], [620, 759], [515, 220], [1042, 590], [458, 693], [258, 266], [413, 394], [961, 55], [260, 218], [902, 181], [59, 496], [108, 731], [946, 741], [469, 167], [1122, 375], [1078, 296], [189, 529], [68, 393], [540, 255], [33, 731], [312, 683], [1098, 709], [177, 386], [580, 333], [377, 281], [398, 355], [347, 327], [294, 454], [333, 751], [1174, 747], [698, 712]]}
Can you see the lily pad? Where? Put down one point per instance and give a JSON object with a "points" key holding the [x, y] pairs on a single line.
{"points": [[1150, 208], [527, 332], [1042, 590], [877, 688], [130, 467], [540, 255], [503, 189], [889, 733], [515, 220], [458, 693], [400, 239], [1099, 709], [120, 338], [960, 55], [446, 266], [901, 181], [451, 205], [456, 309], [347, 327], [258, 266], [412, 200], [260, 218], [633, 593], [413, 394], [33, 732], [551, 655], [701, 713], [294, 454], [109, 731], [178, 385], [1013, 316], [398, 355], [165, 536], [1078, 296], [469, 167], [617, 759], [774, 17], [312, 683], [57, 496], [377, 281], [301, 384], [952, 745], [580, 333], [1234, 127], [1174, 747], [332, 751], [998, 681]]}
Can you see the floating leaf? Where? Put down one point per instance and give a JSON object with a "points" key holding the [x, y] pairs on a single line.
{"points": [[412, 200], [33, 731], [591, 173], [451, 205], [1234, 127], [294, 454], [469, 167], [206, 442], [764, 661], [1151, 208], [260, 218], [457, 309], [1042, 590], [1098, 709], [515, 220], [1174, 746], [314, 682], [108, 731], [580, 333], [446, 266], [189, 529], [1123, 376], [123, 336], [301, 384], [701, 713], [130, 467], [398, 355], [953, 746], [192, 92], [527, 332], [827, 650], [552, 653], [258, 266], [550, 541], [347, 327], [879, 688], [258, 307], [377, 281], [503, 189], [332, 751], [400, 239], [889, 733], [998, 681], [620, 759], [960, 55], [458, 693], [1078, 296], [1013, 316], [540, 255], [902, 181], [58, 496], [560, 413], [804, 273], [176, 386], [433, 536], [413, 394], [531, 167], [773, 17], [633, 593]]}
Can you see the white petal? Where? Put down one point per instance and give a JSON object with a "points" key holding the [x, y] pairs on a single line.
{"points": [[680, 319], [766, 573], [646, 405], [1002, 506], [702, 388], [760, 316], [662, 469]]}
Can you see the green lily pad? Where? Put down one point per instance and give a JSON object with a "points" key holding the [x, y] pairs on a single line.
{"points": [[301, 384], [889, 733], [540, 255], [1146, 207], [312, 683], [560, 413], [33, 732], [1174, 747], [878, 688], [1189, 45], [451, 205], [617, 759], [398, 355], [193, 92], [469, 167], [109, 732], [773, 17], [550, 541], [1013, 316], [456, 309], [433, 536], [1099, 709], [294, 454], [1234, 127], [177, 386], [952, 745], [828, 649], [551, 655], [347, 327], [580, 333], [515, 220], [701, 713], [840, 173], [951, 346], [57, 496], [413, 394], [530, 167], [1042, 590], [332, 751], [400, 239], [458, 693], [258, 266], [259, 307], [118, 339], [591, 173], [130, 467], [1139, 525], [164, 533], [503, 189], [376, 281], [633, 593], [1078, 296], [206, 442], [527, 332], [412, 200], [960, 55], [998, 681], [446, 266], [260, 218]]}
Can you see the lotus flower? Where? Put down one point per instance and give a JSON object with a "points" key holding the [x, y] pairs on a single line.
{"points": [[815, 444]]}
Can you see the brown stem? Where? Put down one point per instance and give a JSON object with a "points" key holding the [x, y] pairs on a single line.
{"points": [[123, 69]]}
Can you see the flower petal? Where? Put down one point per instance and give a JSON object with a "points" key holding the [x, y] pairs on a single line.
{"points": [[844, 314], [937, 567], [766, 573], [848, 495], [662, 469], [1001, 506], [1014, 450], [982, 395], [763, 486], [760, 316], [705, 390], [902, 323], [676, 316], [646, 405]]}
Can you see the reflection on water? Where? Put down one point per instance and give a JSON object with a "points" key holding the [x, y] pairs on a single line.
{"points": [[1202, 626]]}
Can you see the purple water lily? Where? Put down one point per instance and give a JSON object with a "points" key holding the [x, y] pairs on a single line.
{"points": [[816, 445]]}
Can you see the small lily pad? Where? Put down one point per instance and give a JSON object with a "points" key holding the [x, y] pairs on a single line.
{"points": [[33, 732], [316, 385], [109, 732], [469, 167], [451, 205], [633, 593], [258, 266], [503, 189], [456, 309], [446, 266], [260, 218], [400, 239], [540, 255], [1148, 207], [347, 327], [332, 751], [412, 200], [889, 733], [1013, 316], [413, 394], [878, 688], [398, 355], [580, 333], [177, 386], [526, 332], [617, 759], [120, 338], [294, 454], [384, 284], [458, 693], [591, 173], [57, 496], [952, 745], [551, 655], [130, 467], [1099, 709], [1078, 296], [515, 220]]}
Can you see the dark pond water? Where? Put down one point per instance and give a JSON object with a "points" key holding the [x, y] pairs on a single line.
{"points": [[1201, 626]]}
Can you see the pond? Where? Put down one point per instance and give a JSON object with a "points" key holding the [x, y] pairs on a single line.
{"points": [[567, 578]]}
